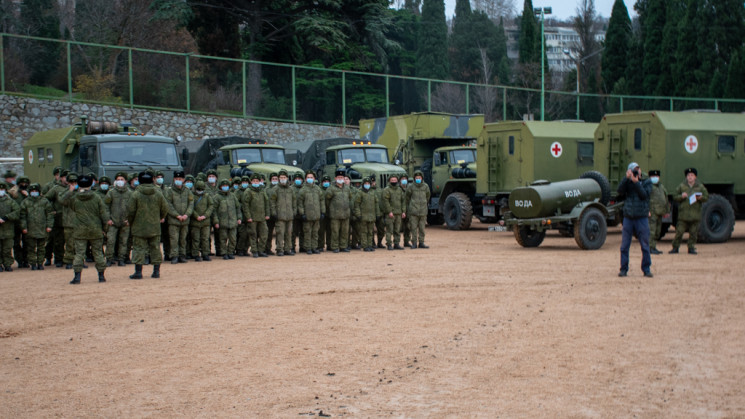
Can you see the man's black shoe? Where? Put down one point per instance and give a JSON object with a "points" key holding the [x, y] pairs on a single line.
{"points": [[654, 251], [692, 252], [675, 250], [622, 273]]}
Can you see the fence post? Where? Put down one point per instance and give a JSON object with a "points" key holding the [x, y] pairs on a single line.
{"points": [[387, 96], [716, 104], [429, 95], [671, 105], [468, 105], [294, 98], [621, 104], [131, 80], [188, 87], [344, 99], [504, 103], [243, 87], [69, 71], [2, 65]]}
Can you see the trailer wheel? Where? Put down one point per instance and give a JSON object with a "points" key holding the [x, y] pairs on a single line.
{"points": [[528, 238], [591, 229], [717, 220], [600, 178], [458, 211], [435, 219]]}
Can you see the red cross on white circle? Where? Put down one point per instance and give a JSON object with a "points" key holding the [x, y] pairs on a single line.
{"points": [[691, 144], [556, 149], [31, 156]]}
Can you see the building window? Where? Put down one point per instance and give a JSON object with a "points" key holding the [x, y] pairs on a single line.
{"points": [[638, 139], [585, 152], [726, 144]]}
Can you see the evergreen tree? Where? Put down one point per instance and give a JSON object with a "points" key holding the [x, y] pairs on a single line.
{"points": [[463, 52], [670, 34], [734, 87], [634, 75], [652, 31], [529, 52], [39, 18], [432, 49], [617, 40], [503, 61]]}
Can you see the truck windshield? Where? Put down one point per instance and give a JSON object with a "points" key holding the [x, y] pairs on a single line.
{"points": [[377, 155], [253, 155], [274, 155], [462, 156], [351, 155], [140, 152]]}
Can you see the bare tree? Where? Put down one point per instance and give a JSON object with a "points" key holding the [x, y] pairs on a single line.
{"points": [[485, 97], [495, 9], [587, 26], [448, 97]]}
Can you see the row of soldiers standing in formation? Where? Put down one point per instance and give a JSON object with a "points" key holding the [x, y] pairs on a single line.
{"points": [[242, 214]]}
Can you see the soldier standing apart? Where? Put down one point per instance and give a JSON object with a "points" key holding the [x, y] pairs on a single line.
{"points": [[117, 200], [37, 220], [283, 204], [256, 212], [9, 214], [691, 194], [405, 227], [90, 221], [227, 217], [273, 183], [147, 209], [311, 205], [417, 200], [658, 207], [635, 217], [180, 206], [366, 210], [394, 211], [201, 219], [338, 205], [68, 218]]}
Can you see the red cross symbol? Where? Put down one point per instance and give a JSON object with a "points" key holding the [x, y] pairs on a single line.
{"points": [[556, 149], [691, 144]]}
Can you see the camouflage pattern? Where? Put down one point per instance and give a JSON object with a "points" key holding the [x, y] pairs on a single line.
{"points": [[90, 220], [658, 207], [204, 205], [417, 197], [227, 215], [180, 203], [36, 216], [689, 215], [57, 240], [338, 207], [9, 214], [393, 210], [367, 210], [117, 201], [256, 210], [145, 210], [283, 207], [310, 205]]}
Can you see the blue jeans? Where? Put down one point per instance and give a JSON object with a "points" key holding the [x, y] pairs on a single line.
{"points": [[640, 228]]}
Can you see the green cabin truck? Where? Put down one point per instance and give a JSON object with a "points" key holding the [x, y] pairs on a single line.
{"points": [[103, 148], [712, 142], [441, 146], [360, 160], [247, 159]]}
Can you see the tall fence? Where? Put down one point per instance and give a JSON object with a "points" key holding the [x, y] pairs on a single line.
{"points": [[186, 82]]}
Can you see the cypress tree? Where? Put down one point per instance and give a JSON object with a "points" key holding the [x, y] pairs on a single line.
{"points": [[462, 58], [734, 87], [432, 49], [617, 39], [39, 18], [529, 52], [670, 34], [652, 31]]}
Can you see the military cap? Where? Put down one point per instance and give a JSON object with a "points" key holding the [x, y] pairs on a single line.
{"points": [[160, 173], [179, 173], [691, 170], [261, 176], [145, 178], [23, 179], [654, 173], [9, 173], [57, 170], [201, 176], [34, 187], [246, 178], [256, 176], [212, 172], [72, 177], [189, 177], [224, 182], [283, 172], [85, 181], [133, 176], [310, 172], [122, 174], [104, 179], [367, 180], [297, 175], [236, 180], [64, 173], [199, 185], [92, 175], [340, 172], [404, 176], [418, 173], [273, 174], [326, 178]]}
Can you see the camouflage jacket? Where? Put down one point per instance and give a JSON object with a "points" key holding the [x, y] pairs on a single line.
{"points": [[9, 213], [90, 216], [180, 202], [311, 202], [204, 204], [117, 200], [227, 210], [283, 203], [145, 210], [658, 204], [417, 199], [393, 200], [54, 195], [68, 216], [366, 206], [37, 215], [686, 210], [338, 202], [255, 204]]}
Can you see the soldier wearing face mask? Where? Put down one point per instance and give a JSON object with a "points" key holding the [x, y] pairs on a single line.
{"points": [[256, 212], [37, 219], [57, 239], [19, 193], [338, 205], [311, 207], [180, 206], [117, 237], [9, 214], [273, 182], [394, 211], [68, 219], [658, 207], [324, 228], [283, 204]]}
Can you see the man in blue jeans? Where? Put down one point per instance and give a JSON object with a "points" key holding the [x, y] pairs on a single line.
{"points": [[635, 192]]}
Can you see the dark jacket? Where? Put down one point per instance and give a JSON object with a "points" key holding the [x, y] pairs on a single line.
{"points": [[636, 197]]}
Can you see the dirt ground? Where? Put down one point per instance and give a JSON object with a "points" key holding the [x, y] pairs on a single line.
{"points": [[476, 326]]}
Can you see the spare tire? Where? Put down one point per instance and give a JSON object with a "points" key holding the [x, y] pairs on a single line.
{"points": [[602, 181], [717, 220]]}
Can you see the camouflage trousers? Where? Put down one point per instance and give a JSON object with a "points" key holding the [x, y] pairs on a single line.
{"points": [[228, 239], [177, 238], [200, 240], [36, 249], [117, 236], [69, 246], [324, 236], [380, 229], [354, 227], [393, 230], [298, 236], [339, 233], [243, 238], [367, 232], [691, 227], [96, 248], [270, 235], [310, 234], [284, 235], [6, 251], [56, 242], [257, 235], [416, 227], [144, 246], [20, 253], [406, 230], [655, 228]]}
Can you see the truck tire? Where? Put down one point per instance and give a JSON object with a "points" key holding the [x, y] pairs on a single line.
{"points": [[458, 211], [528, 238], [590, 229], [717, 220], [435, 219], [602, 181]]}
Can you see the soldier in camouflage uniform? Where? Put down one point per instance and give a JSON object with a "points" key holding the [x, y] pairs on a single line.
{"points": [[658, 207], [212, 188], [395, 212], [297, 224], [146, 210], [256, 212], [89, 222], [273, 183], [180, 206], [37, 220], [354, 222], [68, 218], [243, 240], [366, 209], [380, 221], [338, 205], [324, 228], [54, 195], [201, 219], [9, 214], [283, 207], [417, 200], [311, 205], [19, 193], [227, 217], [56, 172], [689, 214], [405, 227], [117, 201]]}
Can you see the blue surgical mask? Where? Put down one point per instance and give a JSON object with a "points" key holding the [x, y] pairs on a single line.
{"points": [[310, 180], [104, 186], [75, 187], [417, 181], [256, 185], [326, 184], [236, 186], [225, 188], [404, 182], [366, 186], [655, 179], [2, 193], [275, 182], [189, 185], [244, 185], [136, 183], [35, 194], [298, 182], [211, 179], [178, 182], [120, 183], [159, 180]]}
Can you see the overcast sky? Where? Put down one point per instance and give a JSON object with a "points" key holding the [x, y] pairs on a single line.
{"points": [[562, 9]]}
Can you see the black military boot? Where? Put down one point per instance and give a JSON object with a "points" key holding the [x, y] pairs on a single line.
{"points": [[33, 267], [138, 273], [174, 260], [39, 267], [101, 278], [121, 263], [423, 246], [76, 279], [207, 258], [156, 271], [181, 259]]}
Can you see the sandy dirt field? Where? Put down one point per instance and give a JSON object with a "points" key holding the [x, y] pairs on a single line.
{"points": [[476, 326]]}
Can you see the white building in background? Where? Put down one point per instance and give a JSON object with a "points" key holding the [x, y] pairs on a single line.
{"points": [[558, 39]]}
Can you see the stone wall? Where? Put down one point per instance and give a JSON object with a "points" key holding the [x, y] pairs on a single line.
{"points": [[21, 117]]}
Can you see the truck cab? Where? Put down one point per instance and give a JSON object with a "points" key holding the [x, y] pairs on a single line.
{"points": [[247, 159], [360, 160]]}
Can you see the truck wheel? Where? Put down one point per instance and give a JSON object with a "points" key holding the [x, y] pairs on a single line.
{"points": [[528, 238], [435, 219], [458, 211], [717, 220], [590, 229], [602, 181]]}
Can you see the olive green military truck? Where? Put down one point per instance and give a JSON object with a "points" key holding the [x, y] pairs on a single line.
{"points": [[103, 148], [442, 147], [712, 142]]}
